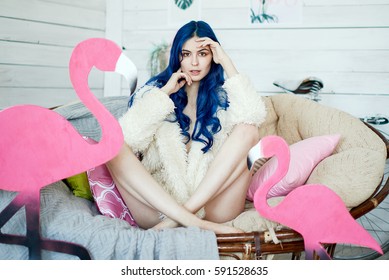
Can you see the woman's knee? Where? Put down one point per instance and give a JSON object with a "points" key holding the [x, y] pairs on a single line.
{"points": [[248, 132]]}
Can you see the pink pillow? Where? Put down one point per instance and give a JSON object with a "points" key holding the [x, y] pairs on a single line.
{"points": [[106, 195], [304, 156]]}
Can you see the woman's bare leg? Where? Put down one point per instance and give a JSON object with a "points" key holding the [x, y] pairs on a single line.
{"points": [[225, 184], [134, 181], [230, 202], [144, 215]]}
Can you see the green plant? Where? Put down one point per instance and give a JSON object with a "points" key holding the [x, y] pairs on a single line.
{"points": [[183, 4], [158, 58], [262, 16]]}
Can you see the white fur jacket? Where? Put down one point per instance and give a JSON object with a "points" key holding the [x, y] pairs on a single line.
{"points": [[164, 152]]}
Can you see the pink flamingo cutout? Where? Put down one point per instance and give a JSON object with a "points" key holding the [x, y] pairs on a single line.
{"points": [[39, 147], [315, 211]]}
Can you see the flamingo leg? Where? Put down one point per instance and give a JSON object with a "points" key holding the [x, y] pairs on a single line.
{"points": [[310, 248], [33, 241], [66, 248], [322, 253], [8, 212], [11, 209], [314, 247], [308, 254]]}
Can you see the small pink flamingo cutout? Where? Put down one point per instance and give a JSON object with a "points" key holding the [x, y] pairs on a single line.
{"points": [[314, 210], [39, 147]]}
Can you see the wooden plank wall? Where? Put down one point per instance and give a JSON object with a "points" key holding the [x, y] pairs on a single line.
{"points": [[344, 42], [36, 40]]}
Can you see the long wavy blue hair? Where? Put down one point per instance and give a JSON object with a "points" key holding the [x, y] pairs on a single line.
{"points": [[211, 96]]}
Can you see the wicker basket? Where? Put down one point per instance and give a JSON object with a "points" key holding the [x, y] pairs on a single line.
{"points": [[260, 245]]}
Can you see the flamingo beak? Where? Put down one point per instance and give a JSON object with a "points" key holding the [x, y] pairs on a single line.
{"points": [[127, 68], [254, 154]]}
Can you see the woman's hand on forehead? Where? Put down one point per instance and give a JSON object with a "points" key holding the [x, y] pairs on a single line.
{"points": [[217, 51]]}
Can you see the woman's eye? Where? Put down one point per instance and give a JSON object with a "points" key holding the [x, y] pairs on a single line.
{"points": [[185, 54], [203, 53]]}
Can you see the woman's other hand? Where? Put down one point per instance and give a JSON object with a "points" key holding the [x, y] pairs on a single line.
{"points": [[176, 81]]}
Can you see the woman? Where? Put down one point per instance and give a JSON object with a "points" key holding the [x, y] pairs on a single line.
{"points": [[192, 131]]}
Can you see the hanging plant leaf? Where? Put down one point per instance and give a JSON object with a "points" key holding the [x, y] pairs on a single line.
{"points": [[183, 4]]}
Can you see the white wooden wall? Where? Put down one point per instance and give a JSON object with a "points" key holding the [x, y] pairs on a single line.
{"points": [[36, 40], [344, 42]]}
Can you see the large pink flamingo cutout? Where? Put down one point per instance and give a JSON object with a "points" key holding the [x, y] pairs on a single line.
{"points": [[315, 211], [39, 147]]}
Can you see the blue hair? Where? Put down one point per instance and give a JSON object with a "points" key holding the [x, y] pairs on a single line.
{"points": [[211, 96]]}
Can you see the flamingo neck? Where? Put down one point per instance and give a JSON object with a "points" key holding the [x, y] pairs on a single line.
{"points": [[260, 196], [79, 73]]}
